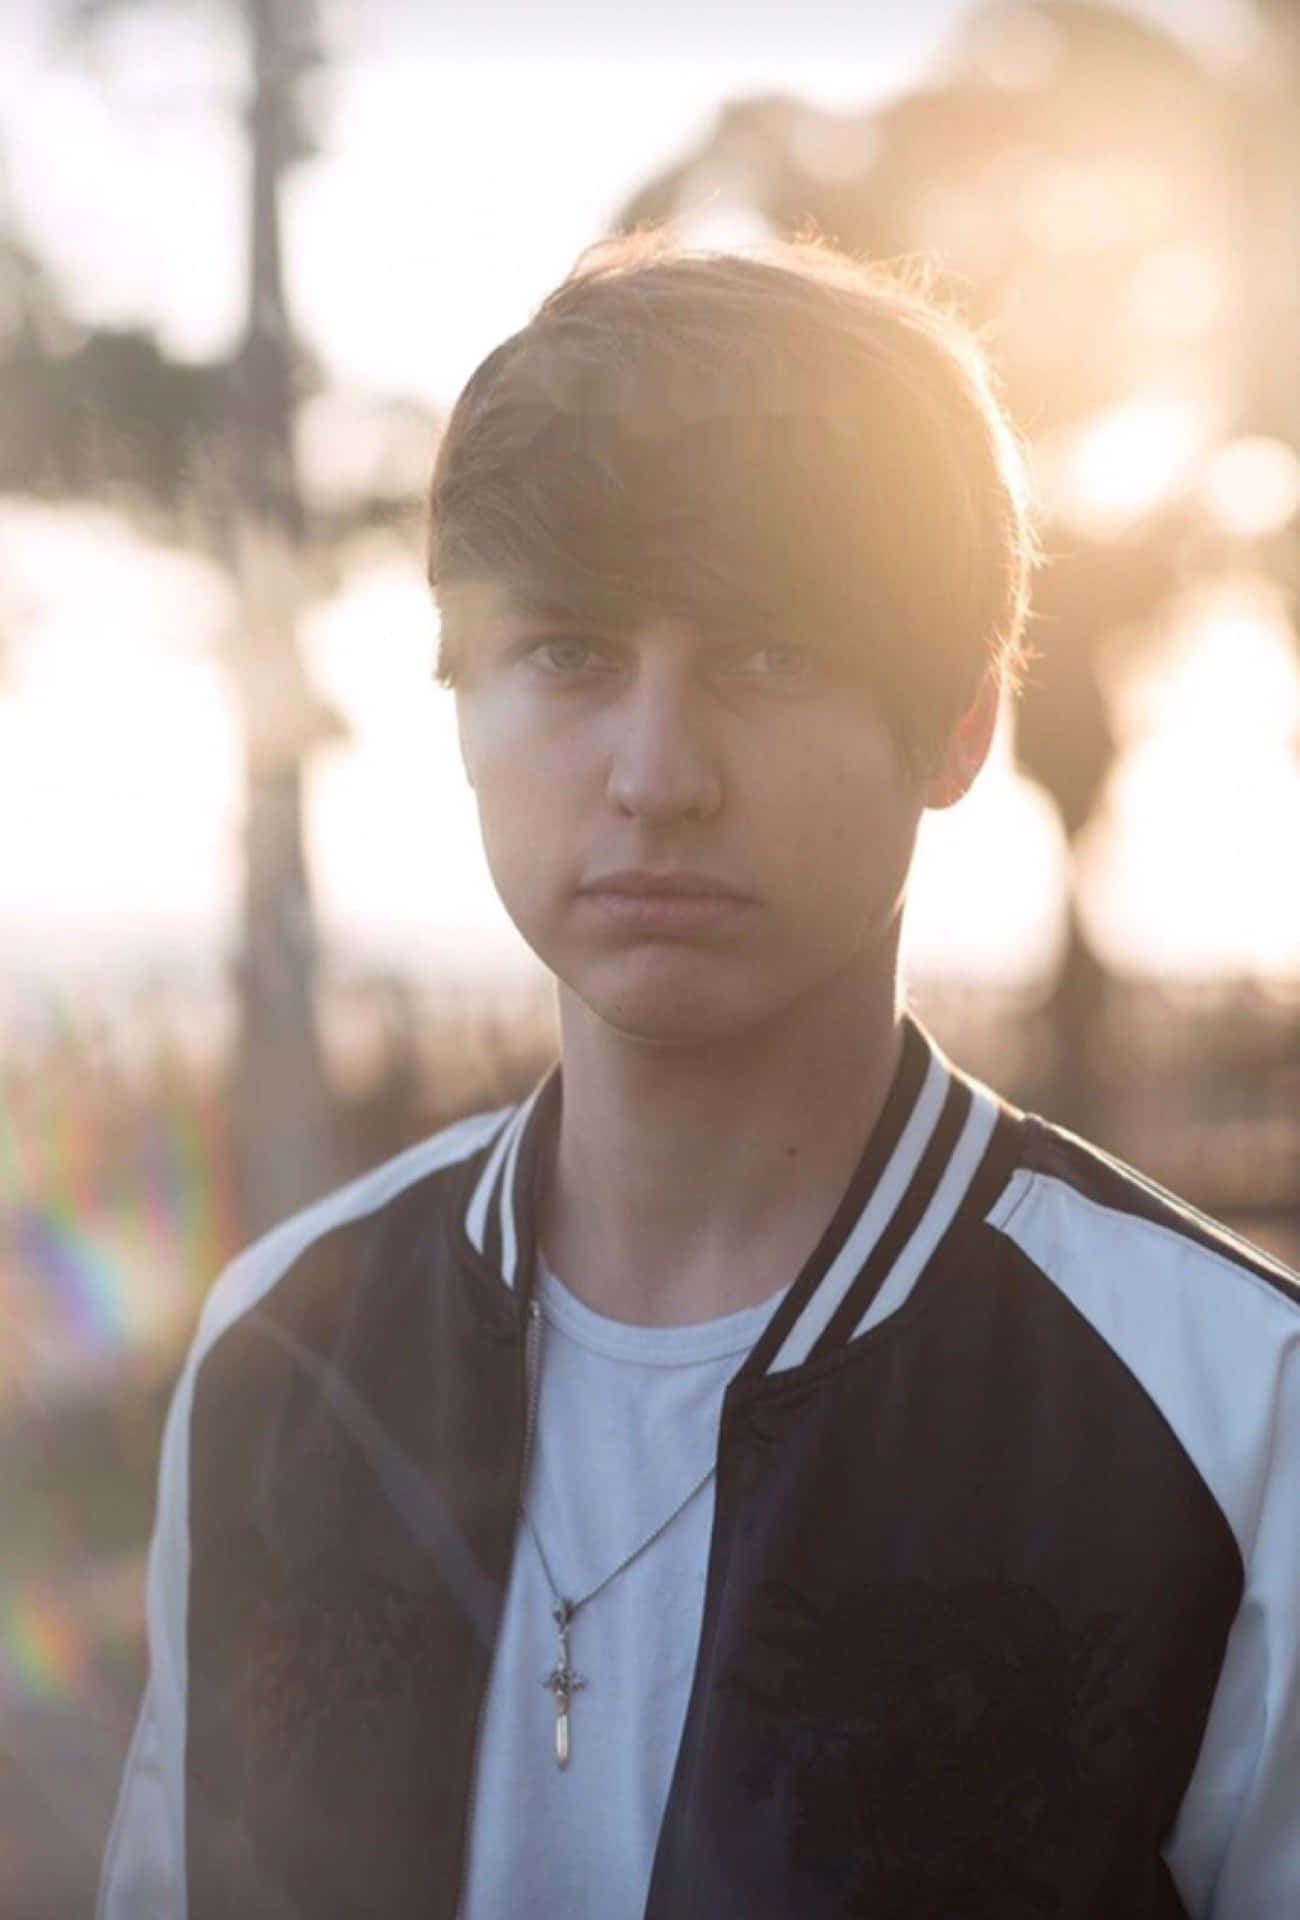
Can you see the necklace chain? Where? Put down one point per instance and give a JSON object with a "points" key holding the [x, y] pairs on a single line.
{"points": [[575, 1606], [562, 1681]]}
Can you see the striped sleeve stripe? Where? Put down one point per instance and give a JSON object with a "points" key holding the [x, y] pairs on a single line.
{"points": [[959, 1176], [888, 1194]]}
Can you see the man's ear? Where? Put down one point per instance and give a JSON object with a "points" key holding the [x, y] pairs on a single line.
{"points": [[968, 746]]}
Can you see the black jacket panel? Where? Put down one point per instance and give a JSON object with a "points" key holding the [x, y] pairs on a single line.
{"points": [[969, 1604]]}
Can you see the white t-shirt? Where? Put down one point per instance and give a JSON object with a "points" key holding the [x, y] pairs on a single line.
{"points": [[627, 1421]]}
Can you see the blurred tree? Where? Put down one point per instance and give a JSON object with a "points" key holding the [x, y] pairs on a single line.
{"points": [[282, 1109], [220, 439], [1119, 220], [206, 453]]}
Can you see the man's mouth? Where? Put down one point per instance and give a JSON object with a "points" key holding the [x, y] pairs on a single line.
{"points": [[665, 900]]}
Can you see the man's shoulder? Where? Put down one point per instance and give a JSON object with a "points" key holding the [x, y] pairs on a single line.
{"points": [[1075, 1203], [1203, 1323], [261, 1266]]}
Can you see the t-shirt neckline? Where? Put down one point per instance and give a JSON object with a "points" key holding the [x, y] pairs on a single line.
{"points": [[651, 1346]]}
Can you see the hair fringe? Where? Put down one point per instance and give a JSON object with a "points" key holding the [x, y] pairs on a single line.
{"points": [[922, 341]]}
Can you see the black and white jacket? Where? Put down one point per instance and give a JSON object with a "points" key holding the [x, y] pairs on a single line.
{"points": [[1003, 1598]]}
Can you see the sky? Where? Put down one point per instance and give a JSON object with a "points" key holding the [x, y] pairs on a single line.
{"points": [[467, 156], [469, 152]]}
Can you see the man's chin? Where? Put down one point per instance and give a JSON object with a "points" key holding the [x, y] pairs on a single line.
{"points": [[665, 1013]]}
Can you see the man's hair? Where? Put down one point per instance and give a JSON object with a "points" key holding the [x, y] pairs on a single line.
{"points": [[786, 444]]}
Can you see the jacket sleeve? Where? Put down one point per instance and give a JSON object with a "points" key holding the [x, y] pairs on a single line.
{"points": [[1235, 1851], [143, 1871], [1210, 1327]]}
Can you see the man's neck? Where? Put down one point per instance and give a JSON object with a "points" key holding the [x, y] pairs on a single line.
{"points": [[693, 1181]]}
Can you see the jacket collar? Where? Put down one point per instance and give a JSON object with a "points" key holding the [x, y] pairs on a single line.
{"points": [[937, 1155], [501, 1217], [932, 1158]]}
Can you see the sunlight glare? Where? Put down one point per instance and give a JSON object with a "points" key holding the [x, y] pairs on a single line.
{"points": [[986, 904], [1178, 293], [1016, 47], [1131, 459], [1251, 486], [392, 832], [1225, 674], [722, 224], [1189, 868], [119, 745]]}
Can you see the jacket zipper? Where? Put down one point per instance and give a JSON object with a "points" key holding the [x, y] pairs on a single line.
{"points": [[531, 1337]]}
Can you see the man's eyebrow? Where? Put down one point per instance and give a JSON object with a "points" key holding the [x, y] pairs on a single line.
{"points": [[477, 605], [537, 604], [532, 606]]}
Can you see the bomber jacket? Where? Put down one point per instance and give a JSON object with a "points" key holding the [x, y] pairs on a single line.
{"points": [[1002, 1592]]}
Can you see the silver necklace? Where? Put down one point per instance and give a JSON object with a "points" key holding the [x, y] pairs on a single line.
{"points": [[562, 1682]]}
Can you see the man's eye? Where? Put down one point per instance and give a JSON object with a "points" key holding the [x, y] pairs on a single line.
{"points": [[566, 653], [776, 663]]}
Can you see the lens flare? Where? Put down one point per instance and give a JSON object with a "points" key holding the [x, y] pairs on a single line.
{"points": [[109, 1227], [43, 1653]]}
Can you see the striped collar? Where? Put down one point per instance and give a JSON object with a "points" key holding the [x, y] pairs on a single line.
{"points": [[931, 1158], [500, 1220]]}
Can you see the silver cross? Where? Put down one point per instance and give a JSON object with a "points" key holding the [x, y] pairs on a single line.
{"points": [[562, 1682]]}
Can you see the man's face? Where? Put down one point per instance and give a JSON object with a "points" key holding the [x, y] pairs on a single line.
{"points": [[692, 833]]}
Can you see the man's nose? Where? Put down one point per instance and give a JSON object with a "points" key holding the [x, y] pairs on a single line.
{"points": [[664, 763]]}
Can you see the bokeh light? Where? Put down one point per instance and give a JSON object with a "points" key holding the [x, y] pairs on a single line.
{"points": [[1128, 461], [1251, 485]]}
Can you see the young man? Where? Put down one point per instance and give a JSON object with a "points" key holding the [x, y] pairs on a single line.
{"points": [[764, 1474]]}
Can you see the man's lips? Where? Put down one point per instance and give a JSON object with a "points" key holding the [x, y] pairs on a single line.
{"points": [[677, 900], [639, 882]]}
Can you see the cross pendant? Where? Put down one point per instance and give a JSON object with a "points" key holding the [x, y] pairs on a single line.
{"points": [[562, 1682]]}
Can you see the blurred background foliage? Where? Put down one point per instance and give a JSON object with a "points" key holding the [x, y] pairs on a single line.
{"points": [[1117, 213]]}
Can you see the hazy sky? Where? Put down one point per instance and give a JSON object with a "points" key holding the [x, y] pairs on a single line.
{"points": [[468, 151]]}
